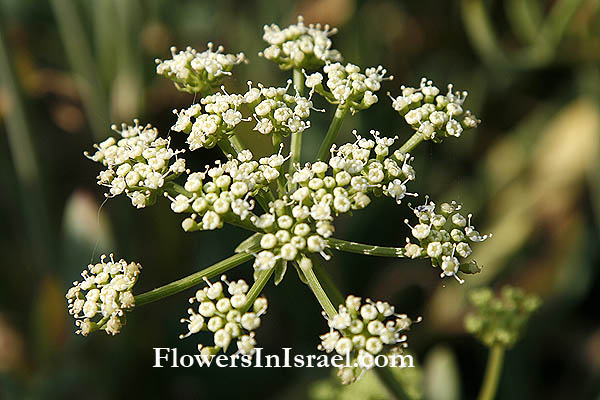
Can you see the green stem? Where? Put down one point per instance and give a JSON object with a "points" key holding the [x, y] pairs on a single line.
{"points": [[317, 289], [296, 145], [192, 280], [411, 143], [257, 288], [298, 77], [277, 139], [226, 146], [332, 132], [174, 189], [328, 285], [236, 143], [492, 373], [386, 376], [366, 249]]}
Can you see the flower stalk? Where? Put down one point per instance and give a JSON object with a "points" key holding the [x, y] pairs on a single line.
{"points": [[193, 279], [492, 373], [332, 132], [366, 249], [412, 142], [296, 144], [226, 145], [257, 288], [317, 289]]}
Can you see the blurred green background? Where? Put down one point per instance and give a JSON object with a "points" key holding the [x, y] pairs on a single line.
{"points": [[530, 174]]}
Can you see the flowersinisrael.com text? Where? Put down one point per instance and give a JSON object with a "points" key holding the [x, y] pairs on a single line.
{"points": [[165, 357]]}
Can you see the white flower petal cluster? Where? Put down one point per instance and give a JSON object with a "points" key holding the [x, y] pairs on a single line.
{"points": [[225, 190], [291, 231], [445, 238], [368, 165], [100, 300], [226, 315], [277, 111], [299, 45], [362, 331], [433, 114], [138, 164], [195, 72], [220, 117], [273, 109], [300, 222], [348, 86]]}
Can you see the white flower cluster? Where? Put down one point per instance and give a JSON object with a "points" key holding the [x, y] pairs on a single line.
{"points": [[300, 46], [434, 115], [228, 192], [195, 72], [219, 119], [104, 294], [361, 331], [300, 222], [227, 317], [369, 166], [348, 86], [444, 238], [139, 163], [291, 230], [276, 111]]}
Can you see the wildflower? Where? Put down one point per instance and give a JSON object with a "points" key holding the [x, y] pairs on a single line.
{"points": [[224, 191], [99, 301], [300, 222], [227, 315], [138, 164], [276, 111], [445, 238], [195, 72], [432, 114], [220, 117], [361, 331], [299, 46], [347, 86]]}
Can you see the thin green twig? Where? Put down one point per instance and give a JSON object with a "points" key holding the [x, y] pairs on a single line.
{"points": [[226, 146], [257, 288], [328, 285], [492, 373], [332, 132], [192, 280], [317, 289], [366, 249], [296, 145]]}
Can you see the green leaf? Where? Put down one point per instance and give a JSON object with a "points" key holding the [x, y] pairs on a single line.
{"points": [[280, 269], [300, 273]]}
